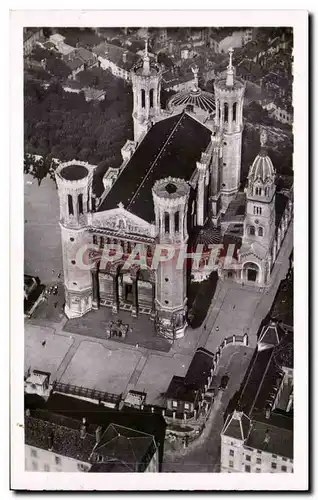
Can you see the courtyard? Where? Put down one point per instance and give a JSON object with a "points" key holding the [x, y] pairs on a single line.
{"points": [[94, 366], [43, 349], [141, 330]]}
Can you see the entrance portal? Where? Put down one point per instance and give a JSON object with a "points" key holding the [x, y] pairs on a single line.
{"points": [[251, 274], [128, 293]]}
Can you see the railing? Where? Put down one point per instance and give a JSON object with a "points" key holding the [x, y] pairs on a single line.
{"points": [[84, 392]]}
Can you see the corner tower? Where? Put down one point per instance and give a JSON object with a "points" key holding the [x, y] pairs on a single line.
{"points": [[229, 98], [146, 84], [170, 197], [74, 182], [259, 224]]}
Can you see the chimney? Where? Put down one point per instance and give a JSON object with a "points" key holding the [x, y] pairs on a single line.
{"points": [[83, 429], [125, 57], [98, 434]]}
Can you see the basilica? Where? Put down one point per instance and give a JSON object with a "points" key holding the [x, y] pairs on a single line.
{"points": [[178, 187]]}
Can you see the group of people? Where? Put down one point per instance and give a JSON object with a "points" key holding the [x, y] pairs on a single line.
{"points": [[117, 329]]}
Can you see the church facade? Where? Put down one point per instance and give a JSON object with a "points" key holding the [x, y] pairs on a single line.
{"points": [[178, 183]]}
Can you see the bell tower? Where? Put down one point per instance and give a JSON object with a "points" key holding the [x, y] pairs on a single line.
{"points": [[170, 197], [74, 183], [259, 224], [229, 98], [146, 84]]}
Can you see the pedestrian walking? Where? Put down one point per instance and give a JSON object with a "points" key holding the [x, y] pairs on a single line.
{"points": [[204, 327], [55, 304], [234, 306], [217, 328], [43, 343], [59, 275], [53, 271]]}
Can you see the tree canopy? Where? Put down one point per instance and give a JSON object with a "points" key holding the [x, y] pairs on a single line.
{"points": [[65, 125]]}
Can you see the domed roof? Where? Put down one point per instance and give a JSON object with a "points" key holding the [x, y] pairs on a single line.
{"points": [[262, 168], [197, 98], [194, 97]]}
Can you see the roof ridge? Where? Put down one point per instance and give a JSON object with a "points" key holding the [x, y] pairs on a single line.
{"points": [[156, 159]]}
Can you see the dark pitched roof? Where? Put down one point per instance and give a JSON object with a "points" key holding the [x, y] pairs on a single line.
{"points": [[179, 391], [74, 63], [116, 55], [199, 369], [44, 429], [266, 437], [271, 334], [149, 423], [237, 425], [170, 148], [128, 446]]}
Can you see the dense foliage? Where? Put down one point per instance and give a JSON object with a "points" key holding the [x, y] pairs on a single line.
{"points": [[66, 126]]}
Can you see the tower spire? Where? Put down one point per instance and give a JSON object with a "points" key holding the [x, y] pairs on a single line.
{"points": [[146, 63], [230, 70]]}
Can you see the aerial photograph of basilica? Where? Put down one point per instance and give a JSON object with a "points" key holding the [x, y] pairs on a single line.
{"points": [[158, 249]]}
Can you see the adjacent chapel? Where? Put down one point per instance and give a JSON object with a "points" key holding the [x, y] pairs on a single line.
{"points": [[178, 186]]}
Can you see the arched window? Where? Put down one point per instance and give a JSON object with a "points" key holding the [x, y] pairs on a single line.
{"points": [[70, 204], [176, 222], [166, 222], [234, 111], [252, 230], [151, 97], [226, 111], [260, 231], [80, 203], [258, 191], [143, 98], [267, 191]]}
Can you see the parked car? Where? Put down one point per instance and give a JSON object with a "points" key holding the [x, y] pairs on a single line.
{"points": [[224, 381]]}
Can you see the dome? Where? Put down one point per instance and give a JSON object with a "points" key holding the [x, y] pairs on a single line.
{"points": [[195, 97], [262, 168]]}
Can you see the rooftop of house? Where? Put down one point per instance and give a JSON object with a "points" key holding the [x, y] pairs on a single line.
{"points": [[265, 374], [69, 437], [170, 148], [74, 63], [99, 415], [178, 391], [282, 308], [50, 431], [128, 445], [199, 369], [270, 428], [266, 437], [121, 57]]}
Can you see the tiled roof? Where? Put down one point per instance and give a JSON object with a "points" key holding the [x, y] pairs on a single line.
{"points": [[42, 426], [170, 148], [74, 63], [116, 55], [99, 415]]}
